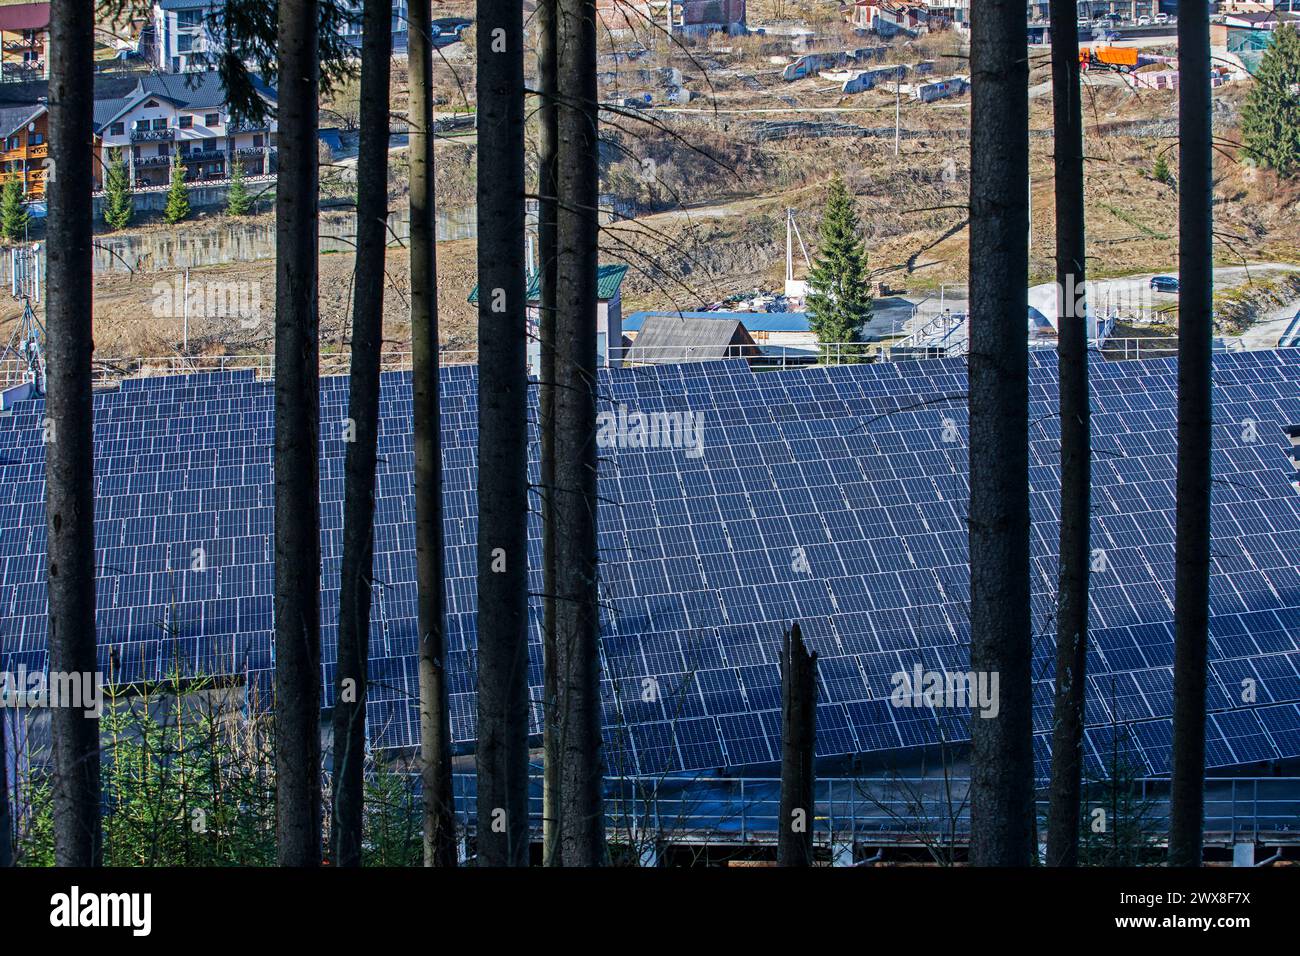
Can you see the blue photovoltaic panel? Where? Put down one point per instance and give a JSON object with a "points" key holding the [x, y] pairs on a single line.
{"points": [[835, 496]]}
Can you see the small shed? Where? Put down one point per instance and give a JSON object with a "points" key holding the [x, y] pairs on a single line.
{"points": [[671, 339]]}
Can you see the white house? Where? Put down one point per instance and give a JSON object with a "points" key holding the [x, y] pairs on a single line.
{"points": [[169, 114]]}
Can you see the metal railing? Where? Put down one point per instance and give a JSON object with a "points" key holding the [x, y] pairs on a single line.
{"points": [[108, 370], [923, 810], [152, 135]]}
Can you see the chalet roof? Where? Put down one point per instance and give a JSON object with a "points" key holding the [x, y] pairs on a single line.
{"points": [[673, 339], [24, 16]]}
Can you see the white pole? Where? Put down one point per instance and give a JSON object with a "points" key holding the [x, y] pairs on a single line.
{"points": [[185, 311], [897, 108]]}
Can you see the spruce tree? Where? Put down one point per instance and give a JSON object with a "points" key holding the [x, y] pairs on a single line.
{"points": [[178, 195], [1270, 117], [1160, 170], [118, 207], [839, 292], [13, 214], [238, 201]]}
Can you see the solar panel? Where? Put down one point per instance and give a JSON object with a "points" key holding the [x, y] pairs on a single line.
{"points": [[834, 496]]}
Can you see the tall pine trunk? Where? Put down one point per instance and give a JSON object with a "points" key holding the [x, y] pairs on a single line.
{"points": [[6, 819], [1195, 347], [577, 614], [1002, 766], [297, 414], [362, 430], [502, 755], [1076, 451], [548, 141], [435, 714], [798, 750], [69, 431]]}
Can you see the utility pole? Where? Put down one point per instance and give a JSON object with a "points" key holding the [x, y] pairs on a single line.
{"points": [[898, 106]]}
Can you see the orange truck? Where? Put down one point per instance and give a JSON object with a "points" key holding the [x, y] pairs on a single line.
{"points": [[1124, 59]]}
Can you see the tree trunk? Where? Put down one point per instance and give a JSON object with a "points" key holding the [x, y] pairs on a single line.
{"points": [[1076, 451], [435, 714], [547, 257], [362, 430], [502, 755], [6, 818], [297, 413], [69, 432], [577, 612], [798, 750], [1195, 348], [1002, 766]]}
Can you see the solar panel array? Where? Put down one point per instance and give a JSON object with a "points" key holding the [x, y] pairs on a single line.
{"points": [[832, 496]]}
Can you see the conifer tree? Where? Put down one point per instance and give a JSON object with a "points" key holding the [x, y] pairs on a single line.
{"points": [[238, 201], [839, 292], [13, 214], [1270, 117], [118, 207], [178, 195]]}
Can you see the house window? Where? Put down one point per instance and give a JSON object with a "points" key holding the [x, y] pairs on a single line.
{"points": [[186, 19], [185, 122], [212, 119], [141, 125], [257, 140], [162, 149], [37, 139], [160, 123], [184, 43], [116, 129], [152, 104]]}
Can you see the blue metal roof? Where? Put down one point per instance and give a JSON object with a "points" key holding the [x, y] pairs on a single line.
{"points": [[753, 321]]}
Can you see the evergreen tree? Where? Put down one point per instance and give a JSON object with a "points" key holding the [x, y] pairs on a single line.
{"points": [[839, 293], [1160, 170], [13, 214], [118, 207], [1270, 117], [238, 201], [178, 195]]}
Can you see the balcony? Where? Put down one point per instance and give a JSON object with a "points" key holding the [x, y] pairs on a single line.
{"points": [[203, 156], [252, 150], [153, 135], [145, 162], [233, 129]]}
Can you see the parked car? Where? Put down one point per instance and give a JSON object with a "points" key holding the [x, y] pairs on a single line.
{"points": [[1164, 283], [1144, 21], [1162, 18]]}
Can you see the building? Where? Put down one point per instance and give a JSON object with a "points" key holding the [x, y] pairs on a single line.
{"points": [[1244, 37], [24, 136], [24, 33], [777, 334], [609, 316], [670, 339], [166, 115], [618, 17], [185, 33]]}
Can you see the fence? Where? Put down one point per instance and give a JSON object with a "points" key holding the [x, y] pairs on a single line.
{"points": [[106, 371], [887, 809]]}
